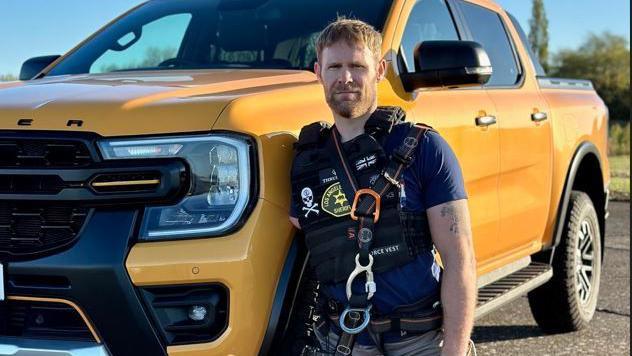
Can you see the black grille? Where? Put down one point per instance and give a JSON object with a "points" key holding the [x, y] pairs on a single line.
{"points": [[31, 184], [43, 153], [46, 320], [33, 228], [27, 230]]}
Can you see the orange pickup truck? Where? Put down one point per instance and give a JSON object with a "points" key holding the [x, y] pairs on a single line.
{"points": [[144, 175]]}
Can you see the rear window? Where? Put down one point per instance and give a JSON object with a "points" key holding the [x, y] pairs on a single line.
{"points": [[539, 70]]}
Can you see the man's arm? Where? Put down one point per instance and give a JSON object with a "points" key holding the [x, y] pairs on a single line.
{"points": [[452, 236], [295, 222]]}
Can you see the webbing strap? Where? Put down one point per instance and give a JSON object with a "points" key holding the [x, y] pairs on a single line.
{"points": [[401, 158]]}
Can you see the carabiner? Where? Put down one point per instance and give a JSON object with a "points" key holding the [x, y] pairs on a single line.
{"points": [[369, 286], [355, 317]]}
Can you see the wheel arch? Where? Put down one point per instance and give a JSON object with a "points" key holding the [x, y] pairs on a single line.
{"points": [[584, 174], [285, 295]]}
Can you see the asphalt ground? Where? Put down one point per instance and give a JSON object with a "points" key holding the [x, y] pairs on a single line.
{"points": [[511, 330]]}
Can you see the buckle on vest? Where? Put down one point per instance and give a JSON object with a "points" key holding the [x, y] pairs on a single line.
{"points": [[391, 179], [375, 195]]}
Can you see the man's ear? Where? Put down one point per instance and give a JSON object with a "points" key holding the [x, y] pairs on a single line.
{"points": [[381, 70], [317, 71]]}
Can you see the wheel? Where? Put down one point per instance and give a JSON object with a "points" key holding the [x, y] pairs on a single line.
{"points": [[568, 301]]}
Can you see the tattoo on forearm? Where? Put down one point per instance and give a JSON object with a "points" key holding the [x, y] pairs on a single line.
{"points": [[449, 212]]}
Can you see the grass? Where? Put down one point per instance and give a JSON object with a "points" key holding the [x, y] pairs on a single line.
{"points": [[619, 139], [620, 177]]}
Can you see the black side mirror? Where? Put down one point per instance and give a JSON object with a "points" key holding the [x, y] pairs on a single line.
{"points": [[448, 64], [33, 66]]}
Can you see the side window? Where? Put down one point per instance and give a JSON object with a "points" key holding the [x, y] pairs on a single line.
{"points": [[156, 42], [539, 71], [488, 30], [429, 20]]}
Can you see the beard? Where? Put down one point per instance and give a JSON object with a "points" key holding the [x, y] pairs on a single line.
{"points": [[350, 108]]}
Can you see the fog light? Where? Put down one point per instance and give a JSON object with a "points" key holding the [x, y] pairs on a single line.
{"points": [[188, 314], [197, 312]]}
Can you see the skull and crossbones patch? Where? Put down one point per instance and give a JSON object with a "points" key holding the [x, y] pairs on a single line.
{"points": [[308, 200]]}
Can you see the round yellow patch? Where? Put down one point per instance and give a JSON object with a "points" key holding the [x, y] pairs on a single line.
{"points": [[335, 202]]}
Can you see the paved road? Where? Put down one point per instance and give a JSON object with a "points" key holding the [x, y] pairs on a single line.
{"points": [[512, 330]]}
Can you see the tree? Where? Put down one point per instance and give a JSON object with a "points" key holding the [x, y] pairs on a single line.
{"points": [[7, 77], [605, 60], [539, 33]]}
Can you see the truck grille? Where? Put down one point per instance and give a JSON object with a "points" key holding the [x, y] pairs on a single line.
{"points": [[47, 320], [30, 228], [43, 153], [27, 230]]}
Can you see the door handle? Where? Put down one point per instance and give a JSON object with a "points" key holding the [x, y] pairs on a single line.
{"points": [[485, 120], [538, 116]]}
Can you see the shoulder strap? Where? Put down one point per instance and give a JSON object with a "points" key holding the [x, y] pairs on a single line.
{"points": [[382, 121], [312, 135], [365, 207]]}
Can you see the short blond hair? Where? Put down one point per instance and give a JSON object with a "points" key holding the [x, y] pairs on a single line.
{"points": [[353, 32]]}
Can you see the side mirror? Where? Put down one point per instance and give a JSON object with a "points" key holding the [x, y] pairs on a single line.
{"points": [[33, 66], [448, 64]]}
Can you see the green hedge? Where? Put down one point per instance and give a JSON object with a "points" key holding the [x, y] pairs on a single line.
{"points": [[619, 139]]}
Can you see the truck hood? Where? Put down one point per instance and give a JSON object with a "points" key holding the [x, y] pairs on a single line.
{"points": [[135, 103]]}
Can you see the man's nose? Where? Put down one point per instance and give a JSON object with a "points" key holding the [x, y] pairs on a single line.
{"points": [[345, 77]]}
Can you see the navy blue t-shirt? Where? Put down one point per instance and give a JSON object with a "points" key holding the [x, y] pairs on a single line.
{"points": [[433, 178]]}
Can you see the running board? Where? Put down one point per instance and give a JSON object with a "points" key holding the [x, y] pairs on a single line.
{"points": [[508, 288]]}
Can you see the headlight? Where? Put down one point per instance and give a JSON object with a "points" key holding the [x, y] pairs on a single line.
{"points": [[220, 183]]}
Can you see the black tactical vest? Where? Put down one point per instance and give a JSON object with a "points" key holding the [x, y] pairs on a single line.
{"points": [[323, 209]]}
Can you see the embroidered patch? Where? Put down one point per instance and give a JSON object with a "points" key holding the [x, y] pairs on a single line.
{"points": [[386, 250], [308, 199], [327, 176], [335, 202], [365, 162]]}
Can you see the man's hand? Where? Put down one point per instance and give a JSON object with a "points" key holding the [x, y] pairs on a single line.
{"points": [[451, 234]]}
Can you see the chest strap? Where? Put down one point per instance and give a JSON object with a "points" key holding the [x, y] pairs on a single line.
{"points": [[366, 211]]}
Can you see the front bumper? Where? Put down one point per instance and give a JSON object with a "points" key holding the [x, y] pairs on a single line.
{"points": [[34, 347], [106, 270]]}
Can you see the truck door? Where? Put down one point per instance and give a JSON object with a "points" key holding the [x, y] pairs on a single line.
{"points": [[525, 132], [463, 117]]}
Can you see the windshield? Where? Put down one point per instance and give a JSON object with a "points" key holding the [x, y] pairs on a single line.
{"points": [[200, 34]]}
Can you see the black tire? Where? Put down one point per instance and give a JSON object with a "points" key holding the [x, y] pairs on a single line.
{"points": [[568, 301]]}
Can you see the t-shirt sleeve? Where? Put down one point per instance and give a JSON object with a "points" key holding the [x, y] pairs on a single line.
{"points": [[442, 179]]}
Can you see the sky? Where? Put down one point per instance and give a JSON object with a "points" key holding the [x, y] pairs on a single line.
{"points": [[30, 28]]}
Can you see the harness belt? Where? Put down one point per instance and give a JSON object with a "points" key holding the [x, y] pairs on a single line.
{"points": [[417, 325], [419, 317]]}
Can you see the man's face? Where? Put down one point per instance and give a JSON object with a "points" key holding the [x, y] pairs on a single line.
{"points": [[349, 75]]}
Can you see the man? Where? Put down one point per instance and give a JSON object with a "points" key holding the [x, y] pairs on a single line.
{"points": [[428, 196]]}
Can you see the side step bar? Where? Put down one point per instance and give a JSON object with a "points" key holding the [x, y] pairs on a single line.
{"points": [[506, 289]]}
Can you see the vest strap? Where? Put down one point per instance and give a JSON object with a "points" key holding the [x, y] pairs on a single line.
{"points": [[365, 210]]}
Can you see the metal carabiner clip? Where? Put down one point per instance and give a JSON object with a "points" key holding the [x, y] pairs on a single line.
{"points": [[355, 314], [369, 286]]}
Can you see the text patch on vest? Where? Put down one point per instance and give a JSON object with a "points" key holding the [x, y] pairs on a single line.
{"points": [[335, 202]]}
